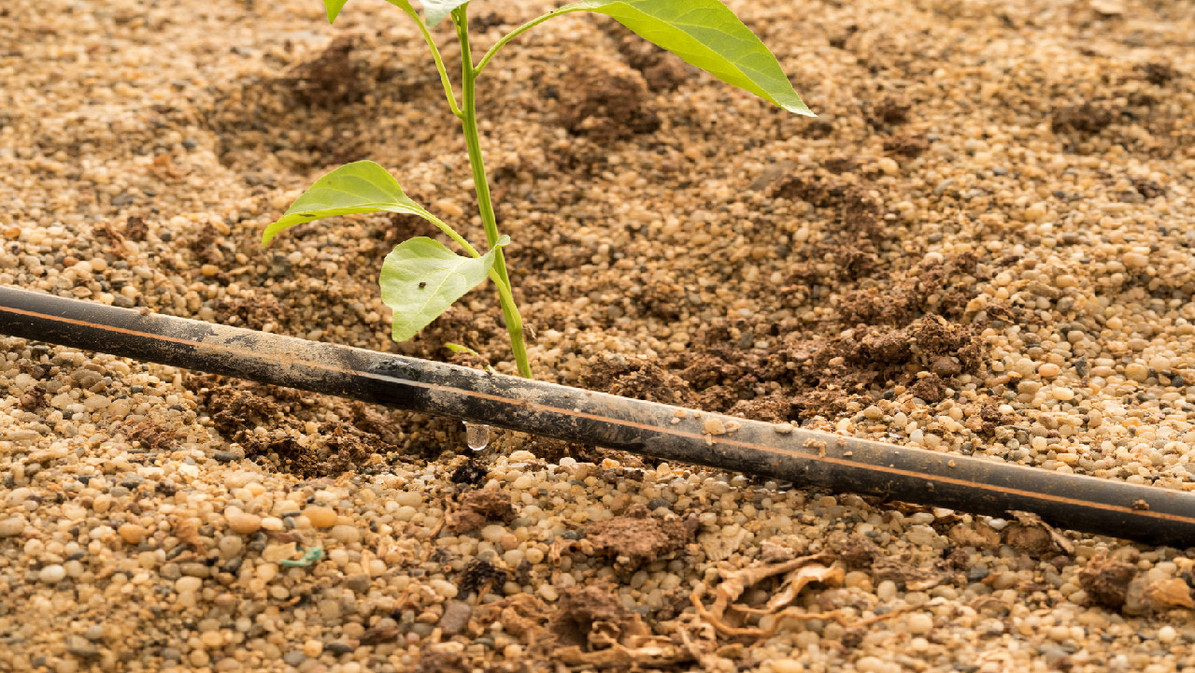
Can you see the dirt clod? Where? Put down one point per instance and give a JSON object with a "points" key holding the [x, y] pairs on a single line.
{"points": [[639, 537], [1086, 119], [152, 436], [479, 575], [662, 71], [478, 507], [589, 617], [890, 111], [606, 99], [442, 659], [906, 146], [857, 551], [1107, 580], [1159, 74], [330, 78], [470, 473]]}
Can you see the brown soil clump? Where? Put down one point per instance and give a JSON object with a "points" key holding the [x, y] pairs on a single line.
{"points": [[330, 78], [662, 71], [889, 112], [153, 436], [606, 99], [638, 379], [441, 659], [1084, 119], [590, 618], [909, 147], [237, 409], [855, 209], [1107, 581], [639, 537], [476, 508], [481, 575], [470, 473]]}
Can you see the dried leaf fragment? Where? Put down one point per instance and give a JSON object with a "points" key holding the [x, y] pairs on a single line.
{"points": [[1169, 594]]}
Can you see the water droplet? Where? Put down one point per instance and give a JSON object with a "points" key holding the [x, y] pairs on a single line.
{"points": [[477, 436]]}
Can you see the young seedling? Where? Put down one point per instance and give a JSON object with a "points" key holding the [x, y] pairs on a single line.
{"points": [[421, 278]]}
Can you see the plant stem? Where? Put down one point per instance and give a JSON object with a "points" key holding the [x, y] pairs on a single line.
{"points": [[485, 206], [451, 233], [520, 30], [431, 44]]}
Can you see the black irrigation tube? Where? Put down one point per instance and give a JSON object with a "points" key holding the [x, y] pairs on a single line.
{"points": [[807, 458]]}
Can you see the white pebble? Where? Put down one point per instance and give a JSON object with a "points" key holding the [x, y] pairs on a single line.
{"points": [[52, 574], [444, 588], [920, 623], [12, 526]]}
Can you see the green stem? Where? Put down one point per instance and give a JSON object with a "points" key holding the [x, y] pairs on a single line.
{"points": [[485, 206], [431, 44], [519, 31], [450, 233]]}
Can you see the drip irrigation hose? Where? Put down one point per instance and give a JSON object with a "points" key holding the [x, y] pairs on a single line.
{"points": [[807, 458]]}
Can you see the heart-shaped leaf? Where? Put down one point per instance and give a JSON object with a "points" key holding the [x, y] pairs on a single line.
{"points": [[435, 11], [708, 35], [421, 278], [359, 187]]}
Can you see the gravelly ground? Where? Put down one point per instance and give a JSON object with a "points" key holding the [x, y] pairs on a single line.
{"points": [[983, 245]]}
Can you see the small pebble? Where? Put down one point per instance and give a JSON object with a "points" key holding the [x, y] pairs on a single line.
{"points": [[313, 648], [12, 526], [242, 523], [787, 666], [131, 533], [455, 618], [346, 534], [51, 574], [320, 517], [920, 623]]}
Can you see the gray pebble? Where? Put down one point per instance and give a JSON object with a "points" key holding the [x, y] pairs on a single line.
{"points": [[81, 647], [358, 583]]}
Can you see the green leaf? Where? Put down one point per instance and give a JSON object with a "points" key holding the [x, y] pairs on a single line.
{"points": [[333, 7], [435, 11], [359, 187], [708, 35], [421, 278], [457, 348]]}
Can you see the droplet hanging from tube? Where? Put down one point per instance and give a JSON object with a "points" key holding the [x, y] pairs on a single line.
{"points": [[477, 436]]}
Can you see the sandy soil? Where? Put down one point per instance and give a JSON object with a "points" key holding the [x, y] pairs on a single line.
{"points": [[983, 246]]}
